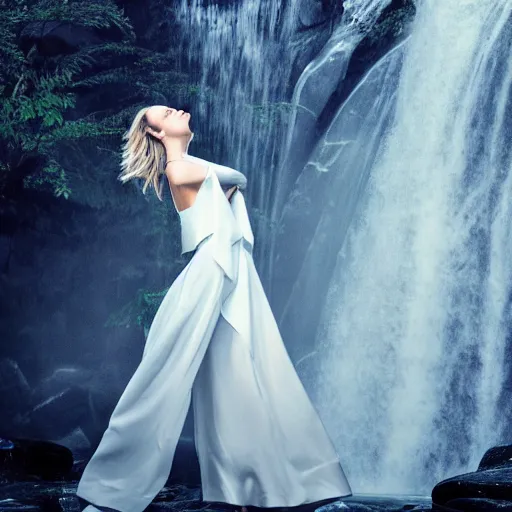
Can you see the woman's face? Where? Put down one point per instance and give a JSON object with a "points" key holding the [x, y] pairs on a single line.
{"points": [[173, 122]]}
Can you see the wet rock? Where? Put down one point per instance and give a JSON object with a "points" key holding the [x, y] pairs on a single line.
{"points": [[497, 456], [488, 488], [28, 459], [478, 505], [61, 497]]}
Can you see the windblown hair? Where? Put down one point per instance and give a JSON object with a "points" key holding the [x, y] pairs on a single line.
{"points": [[143, 156]]}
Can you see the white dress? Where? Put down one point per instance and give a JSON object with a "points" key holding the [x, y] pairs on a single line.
{"points": [[214, 340]]}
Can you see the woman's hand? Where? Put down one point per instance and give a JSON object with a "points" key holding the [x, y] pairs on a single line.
{"points": [[229, 193]]}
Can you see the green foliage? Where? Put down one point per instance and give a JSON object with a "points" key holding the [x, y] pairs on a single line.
{"points": [[62, 114], [63, 111], [52, 173], [140, 311], [97, 14], [39, 93]]}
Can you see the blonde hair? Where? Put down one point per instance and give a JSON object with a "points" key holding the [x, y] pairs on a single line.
{"points": [[143, 156]]}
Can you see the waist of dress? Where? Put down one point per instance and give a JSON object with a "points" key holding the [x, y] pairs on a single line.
{"points": [[223, 242]]}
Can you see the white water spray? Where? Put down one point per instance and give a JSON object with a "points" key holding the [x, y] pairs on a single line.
{"points": [[418, 314]]}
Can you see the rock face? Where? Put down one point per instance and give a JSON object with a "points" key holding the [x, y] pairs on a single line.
{"points": [[487, 488], [56, 37]]}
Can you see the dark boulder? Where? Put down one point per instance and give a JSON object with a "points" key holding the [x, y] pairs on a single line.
{"points": [[30, 459], [496, 457], [487, 488], [60, 414]]}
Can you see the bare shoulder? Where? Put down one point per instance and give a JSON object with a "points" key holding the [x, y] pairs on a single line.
{"points": [[185, 172]]}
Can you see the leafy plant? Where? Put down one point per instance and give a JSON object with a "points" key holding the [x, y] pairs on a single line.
{"points": [[140, 311], [46, 96]]}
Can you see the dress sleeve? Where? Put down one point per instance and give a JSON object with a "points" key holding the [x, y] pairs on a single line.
{"points": [[229, 177]]}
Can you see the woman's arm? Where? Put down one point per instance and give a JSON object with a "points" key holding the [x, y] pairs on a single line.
{"points": [[184, 172], [229, 176]]}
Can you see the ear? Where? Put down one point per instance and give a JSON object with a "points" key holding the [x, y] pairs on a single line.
{"points": [[159, 135]]}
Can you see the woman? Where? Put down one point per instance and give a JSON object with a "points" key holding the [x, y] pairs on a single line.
{"points": [[214, 340]]}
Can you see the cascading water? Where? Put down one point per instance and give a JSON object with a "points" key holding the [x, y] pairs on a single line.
{"points": [[317, 83], [245, 51], [411, 356], [240, 50]]}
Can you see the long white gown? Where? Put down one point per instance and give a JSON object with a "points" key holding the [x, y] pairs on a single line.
{"points": [[214, 340]]}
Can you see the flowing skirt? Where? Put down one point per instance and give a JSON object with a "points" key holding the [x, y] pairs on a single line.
{"points": [[258, 438]]}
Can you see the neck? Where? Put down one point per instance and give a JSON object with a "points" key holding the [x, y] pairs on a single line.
{"points": [[177, 148]]}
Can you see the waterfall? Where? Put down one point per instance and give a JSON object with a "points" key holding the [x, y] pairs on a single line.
{"points": [[312, 91], [410, 363], [246, 52], [242, 52], [319, 80]]}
